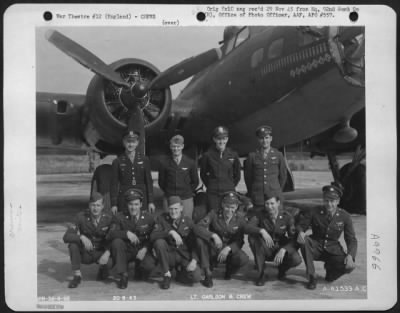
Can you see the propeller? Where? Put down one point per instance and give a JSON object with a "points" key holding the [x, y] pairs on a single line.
{"points": [[172, 75], [185, 69], [84, 57]]}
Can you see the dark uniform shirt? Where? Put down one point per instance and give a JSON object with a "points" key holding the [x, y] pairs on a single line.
{"points": [[142, 227], [220, 173], [327, 230], [178, 179], [231, 234], [84, 225], [184, 227], [262, 174], [126, 175], [282, 231]]}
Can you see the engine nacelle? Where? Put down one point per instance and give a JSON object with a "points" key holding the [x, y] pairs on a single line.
{"points": [[109, 113]]}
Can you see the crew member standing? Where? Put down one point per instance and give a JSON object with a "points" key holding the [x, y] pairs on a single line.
{"points": [[220, 237], [274, 238], [177, 176], [327, 223], [264, 169], [219, 168], [130, 235], [87, 239], [131, 170]]}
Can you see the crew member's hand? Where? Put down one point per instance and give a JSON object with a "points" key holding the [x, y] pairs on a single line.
{"points": [[191, 266], [300, 237], [224, 254], [267, 238], [86, 243], [141, 253], [152, 208], [279, 256], [114, 209], [104, 258], [132, 237], [177, 237], [348, 261], [217, 241]]}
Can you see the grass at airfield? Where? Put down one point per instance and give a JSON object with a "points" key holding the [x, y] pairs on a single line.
{"points": [[57, 164]]}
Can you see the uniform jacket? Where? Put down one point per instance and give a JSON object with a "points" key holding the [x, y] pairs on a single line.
{"points": [[178, 179], [142, 228], [283, 231], [262, 174], [126, 175], [185, 226], [84, 226], [329, 232], [220, 173], [231, 234]]}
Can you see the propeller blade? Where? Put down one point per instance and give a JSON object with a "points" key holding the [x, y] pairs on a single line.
{"points": [[185, 69], [84, 57]]}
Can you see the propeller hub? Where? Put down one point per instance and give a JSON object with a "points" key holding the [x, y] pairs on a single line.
{"points": [[139, 90], [135, 96]]}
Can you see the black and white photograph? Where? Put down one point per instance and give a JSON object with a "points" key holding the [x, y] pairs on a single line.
{"points": [[210, 164]]}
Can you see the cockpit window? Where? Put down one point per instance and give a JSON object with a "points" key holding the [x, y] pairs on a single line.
{"points": [[242, 36], [275, 49], [232, 41]]}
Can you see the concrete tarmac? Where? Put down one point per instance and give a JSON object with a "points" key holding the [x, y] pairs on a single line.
{"points": [[60, 197]]}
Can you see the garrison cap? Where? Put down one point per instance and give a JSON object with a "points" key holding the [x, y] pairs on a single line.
{"points": [[133, 194], [230, 197], [131, 135], [332, 192], [177, 140], [263, 131], [95, 196], [174, 200], [269, 194], [220, 132]]}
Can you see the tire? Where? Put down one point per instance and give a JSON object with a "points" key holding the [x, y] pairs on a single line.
{"points": [[354, 195]]}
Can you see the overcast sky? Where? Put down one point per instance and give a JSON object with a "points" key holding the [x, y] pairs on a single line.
{"points": [[161, 46]]}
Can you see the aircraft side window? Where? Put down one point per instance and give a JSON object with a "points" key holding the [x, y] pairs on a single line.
{"points": [[257, 57], [242, 36], [275, 48]]}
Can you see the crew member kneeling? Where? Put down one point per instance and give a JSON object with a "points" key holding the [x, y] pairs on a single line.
{"points": [[220, 237], [327, 223], [87, 240], [274, 238], [173, 246], [130, 234]]}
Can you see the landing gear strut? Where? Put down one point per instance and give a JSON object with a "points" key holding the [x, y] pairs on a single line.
{"points": [[352, 177]]}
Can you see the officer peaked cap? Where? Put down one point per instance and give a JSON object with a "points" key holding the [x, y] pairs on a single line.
{"points": [[131, 135], [230, 197], [263, 131], [133, 194], [220, 132], [332, 192]]}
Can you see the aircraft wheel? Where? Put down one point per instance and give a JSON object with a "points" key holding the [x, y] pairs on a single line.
{"points": [[354, 195]]}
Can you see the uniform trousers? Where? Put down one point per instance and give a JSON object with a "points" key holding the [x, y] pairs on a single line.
{"points": [[122, 253], [79, 255], [208, 253], [168, 258], [313, 250], [262, 253]]}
